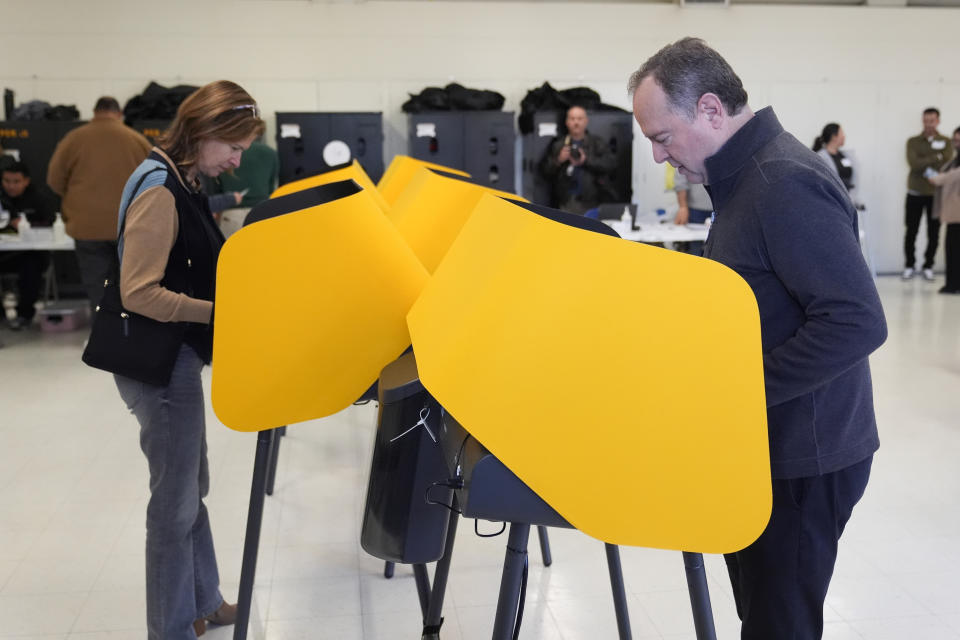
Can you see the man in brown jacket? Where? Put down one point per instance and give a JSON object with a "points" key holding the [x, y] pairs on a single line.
{"points": [[88, 170]]}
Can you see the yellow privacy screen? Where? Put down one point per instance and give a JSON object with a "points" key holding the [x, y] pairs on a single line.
{"points": [[352, 171], [401, 171], [310, 305], [431, 211], [623, 383]]}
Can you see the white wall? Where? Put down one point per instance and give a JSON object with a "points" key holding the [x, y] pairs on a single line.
{"points": [[871, 69]]}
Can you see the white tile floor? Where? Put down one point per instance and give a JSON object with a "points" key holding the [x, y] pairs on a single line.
{"points": [[73, 487]]}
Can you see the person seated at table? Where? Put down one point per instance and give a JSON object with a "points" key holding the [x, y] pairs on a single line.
{"points": [[19, 199]]}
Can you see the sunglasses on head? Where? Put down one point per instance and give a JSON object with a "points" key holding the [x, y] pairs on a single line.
{"points": [[253, 109]]}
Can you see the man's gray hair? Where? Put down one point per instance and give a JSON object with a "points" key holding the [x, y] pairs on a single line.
{"points": [[686, 70]]}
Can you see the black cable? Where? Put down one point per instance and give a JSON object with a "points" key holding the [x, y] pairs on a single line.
{"points": [[476, 530], [523, 596], [452, 483]]}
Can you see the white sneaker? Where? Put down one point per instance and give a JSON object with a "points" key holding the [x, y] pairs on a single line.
{"points": [[908, 273], [928, 275]]}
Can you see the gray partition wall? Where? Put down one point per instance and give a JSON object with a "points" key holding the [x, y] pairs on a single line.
{"points": [[302, 138], [34, 142], [478, 142], [615, 127]]}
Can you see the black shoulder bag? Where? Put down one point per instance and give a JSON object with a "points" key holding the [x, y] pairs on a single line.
{"points": [[128, 343]]}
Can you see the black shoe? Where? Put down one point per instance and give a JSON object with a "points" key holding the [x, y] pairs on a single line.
{"points": [[947, 290]]}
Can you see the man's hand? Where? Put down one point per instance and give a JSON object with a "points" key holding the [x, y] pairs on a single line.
{"points": [[237, 197], [683, 216], [564, 154]]}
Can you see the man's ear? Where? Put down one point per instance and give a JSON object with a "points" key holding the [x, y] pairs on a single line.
{"points": [[711, 108]]}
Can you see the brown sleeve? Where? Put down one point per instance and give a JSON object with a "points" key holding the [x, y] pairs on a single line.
{"points": [[148, 236], [58, 171]]}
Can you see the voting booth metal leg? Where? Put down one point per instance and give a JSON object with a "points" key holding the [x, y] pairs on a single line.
{"points": [[272, 462], [619, 593], [422, 578], [544, 546], [433, 618], [388, 568], [699, 596], [251, 543], [510, 583]]}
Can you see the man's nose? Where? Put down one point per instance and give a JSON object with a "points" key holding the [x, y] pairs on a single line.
{"points": [[659, 154]]}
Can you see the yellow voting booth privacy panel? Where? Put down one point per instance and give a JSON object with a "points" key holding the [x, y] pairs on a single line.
{"points": [[399, 173], [622, 382], [310, 306], [432, 210], [352, 171]]}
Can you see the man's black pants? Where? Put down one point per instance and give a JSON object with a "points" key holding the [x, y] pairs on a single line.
{"points": [[780, 581], [29, 267], [915, 208], [95, 257], [951, 250]]}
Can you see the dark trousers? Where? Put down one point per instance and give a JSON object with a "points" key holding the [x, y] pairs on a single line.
{"points": [[780, 581], [29, 267], [95, 258], [951, 249], [915, 208]]}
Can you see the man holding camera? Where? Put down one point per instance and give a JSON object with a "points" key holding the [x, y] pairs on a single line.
{"points": [[578, 166]]}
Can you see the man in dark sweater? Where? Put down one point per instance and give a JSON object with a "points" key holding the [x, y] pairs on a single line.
{"points": [[19, 199], [784, 223]]}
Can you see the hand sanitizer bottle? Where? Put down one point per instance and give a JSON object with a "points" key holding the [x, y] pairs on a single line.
{"points": [[59, 229], [23, 228]]}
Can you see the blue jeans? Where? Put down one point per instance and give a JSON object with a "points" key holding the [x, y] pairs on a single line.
{"points": [[182, 579]]}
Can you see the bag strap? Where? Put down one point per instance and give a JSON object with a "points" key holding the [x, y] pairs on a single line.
{"points": [[133, 196]]}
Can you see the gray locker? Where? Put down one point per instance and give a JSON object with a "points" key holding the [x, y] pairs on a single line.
{"points": [[302, 138], [478, 142], [437, 137], [613, 126], [489, 154]]}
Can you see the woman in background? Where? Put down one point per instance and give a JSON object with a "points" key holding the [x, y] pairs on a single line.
{"points": [[168, 255], [827, 146], [946, 207]]}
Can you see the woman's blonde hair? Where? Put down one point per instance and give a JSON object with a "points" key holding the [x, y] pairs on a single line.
{"points": [[221, 110]]}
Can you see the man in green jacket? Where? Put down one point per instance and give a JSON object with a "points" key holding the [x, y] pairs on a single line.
{"points": [[926, 153]]}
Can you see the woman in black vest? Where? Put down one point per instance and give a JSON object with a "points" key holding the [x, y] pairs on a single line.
{"points": [[168, 254]]}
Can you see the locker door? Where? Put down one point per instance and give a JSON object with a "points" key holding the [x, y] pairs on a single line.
{"points": [[489, 148], [546, 126], [300, 141], [363, 134], [437, 137], [617, 129]]}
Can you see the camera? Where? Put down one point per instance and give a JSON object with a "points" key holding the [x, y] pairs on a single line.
{"points": [[576, 154]]}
